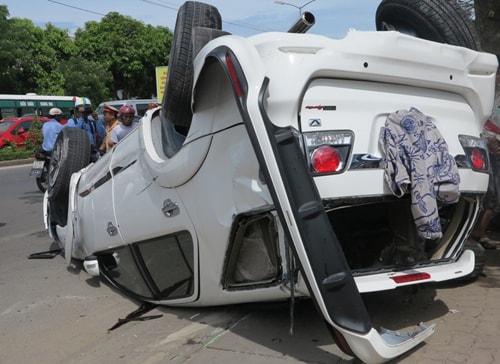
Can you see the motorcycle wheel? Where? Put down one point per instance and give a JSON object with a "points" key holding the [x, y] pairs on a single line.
{"points": [[42, 181]]}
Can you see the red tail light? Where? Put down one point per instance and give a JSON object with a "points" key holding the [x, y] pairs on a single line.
{"points": [[234, 76], [477, 159], [328, 151], [476, 154], [411, 277], [326, 159]]}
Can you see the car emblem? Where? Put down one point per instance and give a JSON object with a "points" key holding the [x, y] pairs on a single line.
{"points": [[314, 122]]}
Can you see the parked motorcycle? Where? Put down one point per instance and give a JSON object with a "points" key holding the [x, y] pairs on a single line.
{"points": [[40, 169]]}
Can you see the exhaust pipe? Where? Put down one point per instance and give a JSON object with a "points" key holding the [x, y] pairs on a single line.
{"points": [[305, 22]]}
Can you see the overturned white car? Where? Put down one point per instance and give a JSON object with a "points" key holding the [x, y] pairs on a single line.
{"points": [[288, 164]]}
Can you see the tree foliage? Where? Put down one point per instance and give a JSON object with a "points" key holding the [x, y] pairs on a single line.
{"points": [[117, 53], [129, 49], [86, 78]]}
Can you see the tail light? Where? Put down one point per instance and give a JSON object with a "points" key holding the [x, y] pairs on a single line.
{"points": [[234, 77], [492, 127], [476, 154], [407, 278], [328, 151], [326, 159], [477, 159]]}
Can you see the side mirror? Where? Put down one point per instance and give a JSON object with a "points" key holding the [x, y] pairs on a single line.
{"points": [[20, 131]]}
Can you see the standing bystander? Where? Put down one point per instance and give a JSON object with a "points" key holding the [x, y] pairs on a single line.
{"points": [[111, 121], [51, 129], [94, 128], [127, 124]]}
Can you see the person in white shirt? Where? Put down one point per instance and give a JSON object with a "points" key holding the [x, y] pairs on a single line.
{"points": [[127, 124]]}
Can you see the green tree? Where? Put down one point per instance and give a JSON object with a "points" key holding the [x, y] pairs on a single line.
{"points": [[129, 49], [6, 48], [12, 61], [60, 41], [27, 60], [117, 53], [62, 48], [86, 78]]}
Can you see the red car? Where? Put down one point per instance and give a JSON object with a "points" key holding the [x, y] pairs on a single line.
{"points": [[15, 131]]}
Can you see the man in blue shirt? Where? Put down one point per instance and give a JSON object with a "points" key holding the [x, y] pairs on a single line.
{"points": [[95, 128], [51, 129]]}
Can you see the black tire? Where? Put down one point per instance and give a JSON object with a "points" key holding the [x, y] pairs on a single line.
{"points": [[176, 105], [71, 153], [443, 21], [42, 182]]}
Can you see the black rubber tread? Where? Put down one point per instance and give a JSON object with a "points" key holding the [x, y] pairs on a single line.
{"points": [[42, 182], [443, 21], [71, 153], [176, 105]]}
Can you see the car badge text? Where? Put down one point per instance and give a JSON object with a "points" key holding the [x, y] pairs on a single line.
{"points": [[321, 107]]}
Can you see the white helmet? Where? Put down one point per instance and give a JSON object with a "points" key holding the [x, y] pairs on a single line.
{"points": [[55, 111], [82, 101]]}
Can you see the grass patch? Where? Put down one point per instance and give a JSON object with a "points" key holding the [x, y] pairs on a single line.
{"points": [[8, 154]]}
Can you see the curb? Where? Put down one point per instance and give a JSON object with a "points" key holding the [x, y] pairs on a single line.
{"points": [[16, 162]]}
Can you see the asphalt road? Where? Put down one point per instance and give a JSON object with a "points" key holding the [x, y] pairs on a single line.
{"points": [[51, 312]]}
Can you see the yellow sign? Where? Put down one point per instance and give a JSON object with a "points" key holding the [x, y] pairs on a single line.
{"points": [[161, 81]]}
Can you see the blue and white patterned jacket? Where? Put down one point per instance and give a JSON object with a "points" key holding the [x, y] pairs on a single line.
{"points": [[418, 162]]}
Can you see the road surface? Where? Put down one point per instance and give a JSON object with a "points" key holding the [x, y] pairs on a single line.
{"points": [[54, 313]]}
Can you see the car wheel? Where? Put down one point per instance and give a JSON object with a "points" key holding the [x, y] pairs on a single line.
{"points": [[443, 21], [71, 153], [176, 105]]}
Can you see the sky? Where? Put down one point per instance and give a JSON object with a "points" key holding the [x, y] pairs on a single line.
{"points": [[245, 18]]}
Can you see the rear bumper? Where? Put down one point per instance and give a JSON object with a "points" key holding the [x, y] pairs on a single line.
{"points": [[436, 273]]}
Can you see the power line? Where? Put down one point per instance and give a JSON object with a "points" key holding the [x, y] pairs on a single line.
{"points": [[227, 21], [171, 7], [295, 6], [75, 7], [163, 6]]}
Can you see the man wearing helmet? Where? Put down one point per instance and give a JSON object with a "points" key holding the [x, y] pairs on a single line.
{"points": [[94, 128], [51, 129], [110, 116], [127, 124]]}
